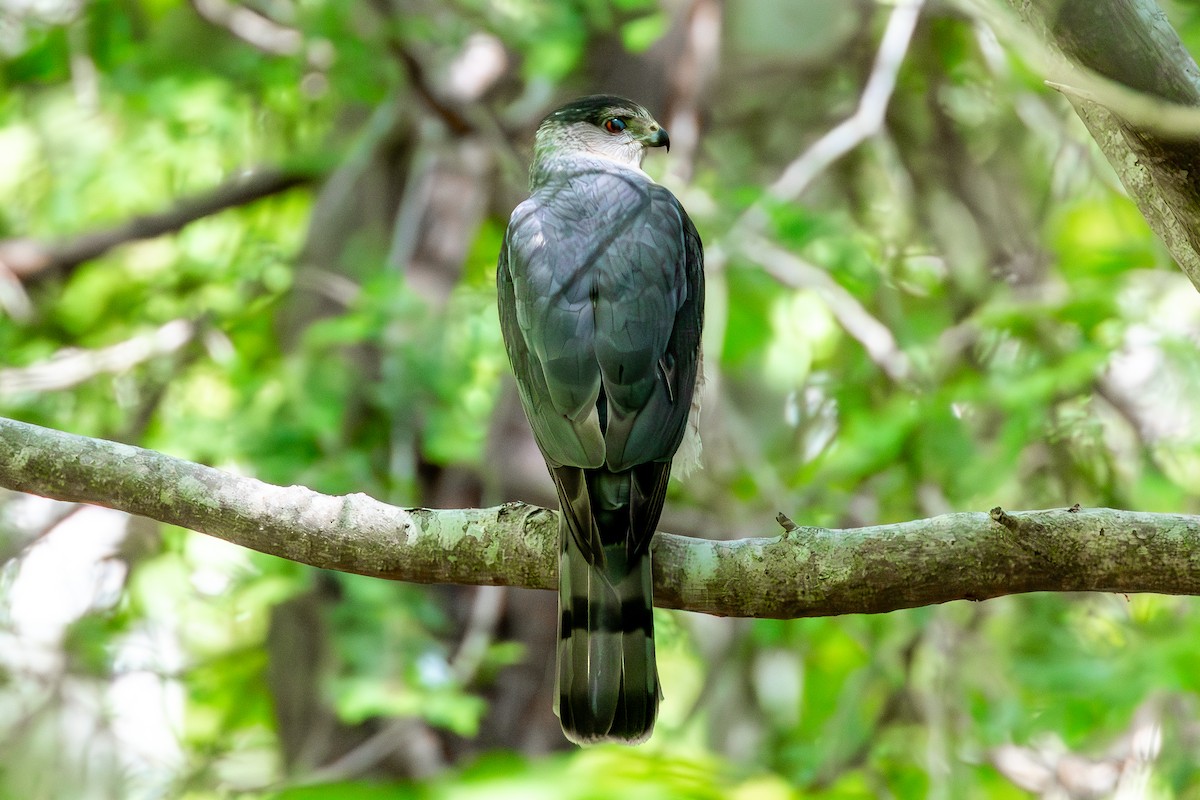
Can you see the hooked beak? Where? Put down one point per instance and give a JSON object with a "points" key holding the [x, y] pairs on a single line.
{"points": [[659, 138]]}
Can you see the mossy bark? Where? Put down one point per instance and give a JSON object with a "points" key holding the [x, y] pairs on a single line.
{"points": [[802, 572], [1132, 43]]}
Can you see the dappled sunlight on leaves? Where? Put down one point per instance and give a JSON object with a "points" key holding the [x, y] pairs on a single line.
{"points": [[963, 311]]}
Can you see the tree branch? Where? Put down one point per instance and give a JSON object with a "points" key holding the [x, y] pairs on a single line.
{"points": [[251, 27], [867, 119], [1141, 130], [418, 78], [875, 337], [29, 259], [74, 365], [804, 572], [865, 122]]}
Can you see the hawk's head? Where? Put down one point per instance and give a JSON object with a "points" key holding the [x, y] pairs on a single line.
{"points": [[601, 125]]}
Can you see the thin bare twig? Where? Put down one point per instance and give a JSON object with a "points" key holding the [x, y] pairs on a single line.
{"points": [[454, 119], [797, 273], [867, 119], [745, 236], [406, 736], [486, 612], [1152, 114]]}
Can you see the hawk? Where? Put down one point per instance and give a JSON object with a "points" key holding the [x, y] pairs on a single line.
{"points": [[601, 294]]}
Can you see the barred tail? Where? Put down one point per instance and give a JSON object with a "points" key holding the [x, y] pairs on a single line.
{"points": [[607, 678]]}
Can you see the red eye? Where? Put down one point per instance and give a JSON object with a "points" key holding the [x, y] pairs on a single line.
{"points": [[614, 125]]}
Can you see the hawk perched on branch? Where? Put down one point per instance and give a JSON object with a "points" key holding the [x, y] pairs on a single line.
{"points": [[601, 294]]}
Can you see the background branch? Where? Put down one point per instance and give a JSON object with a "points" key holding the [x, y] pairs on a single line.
{"points": [[74, 365], [867, 119], [805, 572], [251, 27], [29, 259], [1131, 43]]}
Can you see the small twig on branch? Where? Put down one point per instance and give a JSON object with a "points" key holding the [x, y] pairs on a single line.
{"points": [[28, 259], [1151, 114], [808, 572]]}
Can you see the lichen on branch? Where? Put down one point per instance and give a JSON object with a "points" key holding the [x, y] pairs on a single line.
{"points": [[804, 572]]}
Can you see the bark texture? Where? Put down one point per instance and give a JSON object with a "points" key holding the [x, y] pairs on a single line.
{"points": [[1131, 43], [802, 572]]}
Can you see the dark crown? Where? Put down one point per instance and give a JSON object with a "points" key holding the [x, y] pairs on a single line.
{"points": [[593, 108]]}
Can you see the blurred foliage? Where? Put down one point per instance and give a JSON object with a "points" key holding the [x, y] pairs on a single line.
{"points": [[1040, 351]]}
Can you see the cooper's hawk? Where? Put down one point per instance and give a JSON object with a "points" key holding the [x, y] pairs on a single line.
{"points": [[601, 293]]}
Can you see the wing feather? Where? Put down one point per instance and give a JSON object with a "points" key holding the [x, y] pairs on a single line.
{"points": [[601, 286]]}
